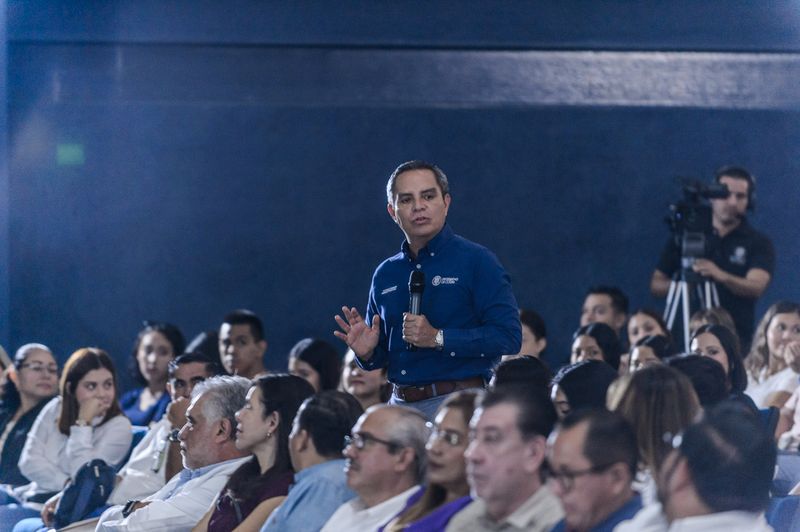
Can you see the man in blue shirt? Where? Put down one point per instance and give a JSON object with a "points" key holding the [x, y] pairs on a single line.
{"points": [[468, 319]]}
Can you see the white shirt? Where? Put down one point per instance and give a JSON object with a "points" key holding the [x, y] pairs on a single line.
{"points": [[138, 478], [759, 390], [179, 505], [353, 516], [50, 458], [652, 519]]}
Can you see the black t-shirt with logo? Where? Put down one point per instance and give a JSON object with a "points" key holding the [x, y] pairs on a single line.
{"points": [[738, 252]]}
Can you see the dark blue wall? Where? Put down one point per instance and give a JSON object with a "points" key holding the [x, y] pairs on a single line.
{"points": [[175, 160]]}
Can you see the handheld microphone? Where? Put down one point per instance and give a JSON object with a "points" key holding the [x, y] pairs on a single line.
{"points": [[416, 285]]}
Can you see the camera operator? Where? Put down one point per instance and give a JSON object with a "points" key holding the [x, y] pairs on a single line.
{"points": [[740, 259]]}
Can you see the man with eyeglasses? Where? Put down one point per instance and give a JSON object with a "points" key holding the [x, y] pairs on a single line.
{"points": [[384, 463], [505, 463], [592, 458]]}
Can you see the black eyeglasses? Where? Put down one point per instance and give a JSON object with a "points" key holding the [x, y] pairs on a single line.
{"points": [[566, 478], [359, 440]]}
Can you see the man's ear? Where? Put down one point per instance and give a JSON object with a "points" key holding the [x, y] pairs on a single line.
{"points": [[620, 476], [225, 430], [541, 343], [169, 388], [391, 211], [619, 320], [302, 440], [262, 344], [404, 459], [535, 453], [447, 200]]}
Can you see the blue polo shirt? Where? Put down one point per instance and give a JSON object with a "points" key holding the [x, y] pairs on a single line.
{"points": [[467, 294]]}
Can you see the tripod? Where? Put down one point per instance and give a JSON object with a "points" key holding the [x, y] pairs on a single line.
{"points": [[684, 283]]}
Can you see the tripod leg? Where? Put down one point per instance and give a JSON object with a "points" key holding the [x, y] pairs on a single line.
{"points": [[673, 300], [686, 312]]}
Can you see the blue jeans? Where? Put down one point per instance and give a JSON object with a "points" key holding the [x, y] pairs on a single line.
{"points": [[11, 514]]}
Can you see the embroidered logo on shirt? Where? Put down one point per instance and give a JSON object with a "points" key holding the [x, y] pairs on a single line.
{"points": [[387, 290], [443, 280], [739, 256]]}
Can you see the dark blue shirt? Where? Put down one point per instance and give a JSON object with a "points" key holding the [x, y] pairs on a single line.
{"points": [[467, 294], [625, 512], [129, 403]]}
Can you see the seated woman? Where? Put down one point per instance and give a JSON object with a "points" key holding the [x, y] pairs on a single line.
{"points": [[447, 491], [317, 362], [581, 385], [656, 400], [260, 485], [85, 422], [650, 350], [711, 316], [645, 322], [526, 370], [722, 344], [596, 341], [770, 379], [368, 387], [156, 346], [32, 382]]}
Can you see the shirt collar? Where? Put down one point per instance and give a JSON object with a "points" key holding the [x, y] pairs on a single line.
{"points": [[522, 516], [319, 469], [434, 245]]}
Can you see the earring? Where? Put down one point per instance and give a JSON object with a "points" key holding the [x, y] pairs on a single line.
{"points": [[269, 435]]}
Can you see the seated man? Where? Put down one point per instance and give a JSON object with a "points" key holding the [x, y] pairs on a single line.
{"points": [[605, 304], [385, 462], [593, 459], [207, 443], [505, 464], [242, 344], [315, 446]]}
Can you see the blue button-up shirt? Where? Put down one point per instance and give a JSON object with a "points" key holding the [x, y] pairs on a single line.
{"points": [[467, 294], [317, 493]]}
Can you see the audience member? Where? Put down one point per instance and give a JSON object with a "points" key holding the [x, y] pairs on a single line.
{"points": [[596, 341], [718, 477], [242, 344], [157, 344], [534, 335], [315, 445], [650, 350], [385, 462], [711, 316], [206, 344], [317, 362], [707, 377], [369, 387], [447, 491], [605, 304], [505, 464], [645, 322], [721, 344], [32, 382], [656, 400], [85, 422], [209, 456], [259, 485], [581, 385], [592, 456], [525, 370], [770, 380]]}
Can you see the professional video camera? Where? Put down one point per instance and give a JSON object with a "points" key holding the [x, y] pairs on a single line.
{"points": [[690, 219]]}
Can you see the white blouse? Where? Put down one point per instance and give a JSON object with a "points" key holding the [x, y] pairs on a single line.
{"points": [[50, 458], [759, 390]]}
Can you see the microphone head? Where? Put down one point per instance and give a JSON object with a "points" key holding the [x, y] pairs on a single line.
{"points": [[416, 282]]}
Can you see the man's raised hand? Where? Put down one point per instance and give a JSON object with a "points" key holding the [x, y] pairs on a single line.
{"points": [[355, 332]]}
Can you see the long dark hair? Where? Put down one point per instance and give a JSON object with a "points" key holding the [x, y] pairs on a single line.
{"points": [[321, 356], [737, 376], [78, 365], [606, 339], [282, 394]]}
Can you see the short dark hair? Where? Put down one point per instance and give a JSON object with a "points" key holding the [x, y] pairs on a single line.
{"points": [[661, 345], [618, 298], [246, 317], [707, 376], [417, 164], [328, 417], [737, 375], [212, 368], [736, 172], [534, 321], [205, 343], [524, 370], [731, 458], [606, 339], [609, 438], [585, 383], [321, 356], [536, 414], [173, 335]]}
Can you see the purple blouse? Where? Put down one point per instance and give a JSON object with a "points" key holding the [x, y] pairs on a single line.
{"points": [[436, 520], [228, 514]]}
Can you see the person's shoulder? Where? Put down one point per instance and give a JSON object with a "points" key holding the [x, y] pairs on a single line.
{"points": [[129, 398]]}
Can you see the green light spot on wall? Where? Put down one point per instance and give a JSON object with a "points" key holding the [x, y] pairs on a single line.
{"points": [[69, 154]]}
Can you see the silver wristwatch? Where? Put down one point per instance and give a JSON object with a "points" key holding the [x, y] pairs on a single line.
{"points": [[439, 339]]}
